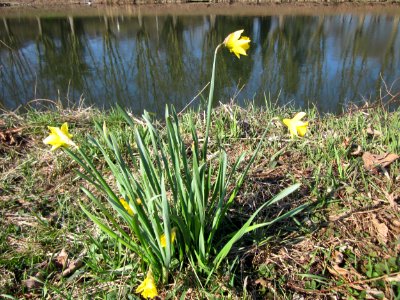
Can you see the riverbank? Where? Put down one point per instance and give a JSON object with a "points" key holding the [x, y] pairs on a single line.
{"points": [[7, 3], [43, 8], [345, 244]]}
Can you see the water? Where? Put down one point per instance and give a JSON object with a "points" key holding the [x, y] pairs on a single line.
{"points": [[146, 62]]}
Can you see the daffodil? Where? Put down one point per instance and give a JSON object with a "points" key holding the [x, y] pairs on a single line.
{"points": [[295, 126], [126, 206], [59, 137], [163, 239], [236, 44], [148, 288]]}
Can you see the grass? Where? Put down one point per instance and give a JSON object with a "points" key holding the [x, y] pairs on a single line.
{"points": [[345, 244]]}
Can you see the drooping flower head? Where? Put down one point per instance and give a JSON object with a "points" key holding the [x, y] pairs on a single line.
{"points": [[237, 44], [163, 239], [296, 126], [148, 288], [59, 137]]}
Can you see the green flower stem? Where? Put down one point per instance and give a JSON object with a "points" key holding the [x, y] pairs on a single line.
{"points": [[210, 102]]}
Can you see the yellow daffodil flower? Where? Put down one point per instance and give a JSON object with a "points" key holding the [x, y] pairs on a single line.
{"points": [[126, 206], [295, 126], [59, 137], [148, 288], [236, 44], [163, 239]]}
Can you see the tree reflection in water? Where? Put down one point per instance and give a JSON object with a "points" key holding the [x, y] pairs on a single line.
{"points": [[145, 62]]}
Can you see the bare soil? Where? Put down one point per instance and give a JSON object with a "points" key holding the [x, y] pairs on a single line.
{"points": [[148, 7]]}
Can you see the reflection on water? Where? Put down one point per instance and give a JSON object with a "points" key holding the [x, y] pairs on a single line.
{"points": [[146, 62]]}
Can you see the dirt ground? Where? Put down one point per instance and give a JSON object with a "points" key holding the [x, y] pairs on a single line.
{"points": [[249, 7]]}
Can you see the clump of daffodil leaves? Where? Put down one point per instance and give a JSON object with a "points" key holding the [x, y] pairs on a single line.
{"points": [[173, 203]]}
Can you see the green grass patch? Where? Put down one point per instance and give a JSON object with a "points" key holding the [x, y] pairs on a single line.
{"points": [[344, 244]]}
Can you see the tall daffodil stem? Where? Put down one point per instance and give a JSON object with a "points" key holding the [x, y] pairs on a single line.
{"points": [[210, 103]]}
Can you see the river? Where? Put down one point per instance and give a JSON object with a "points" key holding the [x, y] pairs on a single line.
{"points": [[147, 61]]}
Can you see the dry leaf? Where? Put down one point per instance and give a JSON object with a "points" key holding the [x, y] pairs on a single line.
{"points": [[374, 161], [277, 122], [336, 270], [261, 282], [32, 283], [372, 131], [62, 258], [395, 278], [382, 231], [10, 136], [357, 152], [297, 296], [374, 294], [346, 142], [72, 267], [391, 198], [337, 257]]}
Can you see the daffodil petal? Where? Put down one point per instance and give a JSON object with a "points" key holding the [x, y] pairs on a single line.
{"points": [[61, 134], [51, 139], [292, 129], [299, 116], [243, 41], [239, 50], [52, 129], [286, 122], [64, 129], [163, 241], [54, 141], [234, 36], [302, 129], [246, 46], [173, 234]]}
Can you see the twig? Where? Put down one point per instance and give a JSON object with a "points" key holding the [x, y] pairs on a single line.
{"points": [[195, 97], [347, 284], [6, 45]]}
